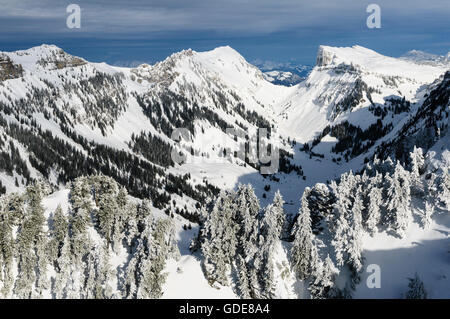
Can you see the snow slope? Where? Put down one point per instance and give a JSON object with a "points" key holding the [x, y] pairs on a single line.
{"points": [[310, 108], [422, 251]]}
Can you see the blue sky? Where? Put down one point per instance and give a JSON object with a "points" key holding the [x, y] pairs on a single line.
{"points": [[120, 32]]}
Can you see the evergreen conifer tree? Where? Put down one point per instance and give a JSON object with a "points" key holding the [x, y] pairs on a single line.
{"points": [[304, 252]]}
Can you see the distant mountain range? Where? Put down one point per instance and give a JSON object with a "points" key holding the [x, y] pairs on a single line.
{"points": [[426, 58], [283, 73]]}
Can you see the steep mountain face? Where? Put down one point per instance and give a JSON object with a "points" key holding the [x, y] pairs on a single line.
{"points": [[346, 84], [220, 78], [63, 117], [428, 126]]}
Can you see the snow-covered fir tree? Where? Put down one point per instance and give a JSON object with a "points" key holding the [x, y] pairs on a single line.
{"points": [[242, 276], [416, 288], [323, 284], [444, 189], [270, 230], [219, 242], [304, 252], [354, 250], [426, 215], [399, 214], [31, 248], [341, 222], [417, 162], [11, 211], [375, 202], [417, 169], [238, 238]]}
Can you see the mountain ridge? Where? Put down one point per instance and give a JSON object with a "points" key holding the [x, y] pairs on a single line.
{"points": [[207, 92]]}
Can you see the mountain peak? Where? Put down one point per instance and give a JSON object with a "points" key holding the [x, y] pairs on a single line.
{"points": [[220, 59], [222, 53], [422, 57], [218, 53], [43, 49], [224, 50], [48, 46], [47, 56], [328, 55]]}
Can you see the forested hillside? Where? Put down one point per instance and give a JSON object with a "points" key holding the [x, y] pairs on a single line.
{"points": [[100, 245]]}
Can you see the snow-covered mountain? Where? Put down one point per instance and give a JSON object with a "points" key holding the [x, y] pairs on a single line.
{"points": [[422, 57], [285, 78], [62, 117], [198, 76], [287, 74], [344, 85], [94, 110]]}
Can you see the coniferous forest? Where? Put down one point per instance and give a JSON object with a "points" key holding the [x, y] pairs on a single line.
{"points": [[101, 243]]}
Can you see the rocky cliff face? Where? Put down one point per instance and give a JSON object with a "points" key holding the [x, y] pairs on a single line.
{"points": [[324, 57], [8, 69]]}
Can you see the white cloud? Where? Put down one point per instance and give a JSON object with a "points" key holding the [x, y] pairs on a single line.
{"points": [[230, 16]]}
